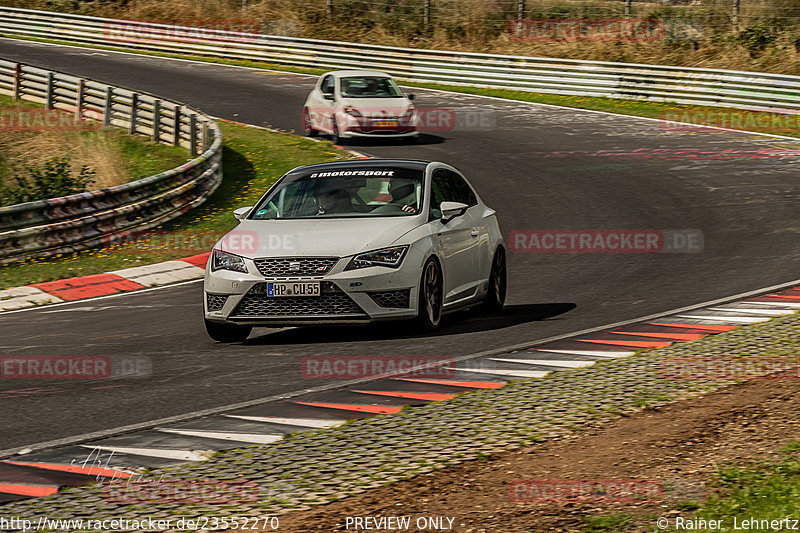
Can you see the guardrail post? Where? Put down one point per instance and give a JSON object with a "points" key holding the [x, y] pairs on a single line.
{"points": [[134, 107], [176, 137], [48, 92], [204, 136], [81, 92], [426, 13], [736, 14], [193, 135], [520, 9], [16, 87], [108, 107], [157, 121]]}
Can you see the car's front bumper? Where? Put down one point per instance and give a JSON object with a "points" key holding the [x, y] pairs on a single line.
{"points": [[353, 296], [378, 134]]}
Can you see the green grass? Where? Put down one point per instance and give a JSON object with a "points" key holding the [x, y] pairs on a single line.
{"points": [[606, 523], [144, 158], [252, 160], [769, 491], [764, 491], [139, 156]]}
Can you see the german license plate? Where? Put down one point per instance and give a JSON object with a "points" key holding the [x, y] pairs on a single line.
{"points": [[385, 123], [283, 290]]}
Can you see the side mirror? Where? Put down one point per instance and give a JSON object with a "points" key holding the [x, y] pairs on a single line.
{"points": [[452, 209], [411, 96], [242, 212], [328, 96]]}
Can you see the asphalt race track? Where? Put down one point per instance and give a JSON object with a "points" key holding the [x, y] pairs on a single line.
{"points": [[539, 167]]}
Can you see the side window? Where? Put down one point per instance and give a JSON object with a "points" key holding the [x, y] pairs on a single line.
{"points": [[447, 186], [327, 85], [462, 189], [438, 188]]}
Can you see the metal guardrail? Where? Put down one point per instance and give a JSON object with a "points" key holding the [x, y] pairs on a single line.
{"points": [[695, 86], [79, 221]]}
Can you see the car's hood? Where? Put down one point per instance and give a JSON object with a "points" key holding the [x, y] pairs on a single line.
{"points": [[315, 237], [389, 105]]}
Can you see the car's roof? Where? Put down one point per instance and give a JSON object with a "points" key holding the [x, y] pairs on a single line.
{"points": [[341, 73], [410, 164]]}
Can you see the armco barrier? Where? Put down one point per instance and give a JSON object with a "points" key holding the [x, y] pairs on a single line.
{"points": [[558, 76], [70, 223]]}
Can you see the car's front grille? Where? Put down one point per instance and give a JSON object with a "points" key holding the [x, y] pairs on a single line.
{"points": [[287, 267], [332, 302], [391, 298], [216, 301]]}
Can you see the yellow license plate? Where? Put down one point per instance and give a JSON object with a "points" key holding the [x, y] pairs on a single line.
{"points": [[385, 123]]}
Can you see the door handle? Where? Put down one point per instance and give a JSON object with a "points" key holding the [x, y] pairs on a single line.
{"points": [[474, 232]]}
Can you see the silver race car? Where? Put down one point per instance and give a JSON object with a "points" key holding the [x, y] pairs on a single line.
{"points": [[355, 242]]}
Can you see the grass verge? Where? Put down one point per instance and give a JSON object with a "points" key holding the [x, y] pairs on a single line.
{"points": [[31, 135], [252, 160], [760, 497], [765, 493]]}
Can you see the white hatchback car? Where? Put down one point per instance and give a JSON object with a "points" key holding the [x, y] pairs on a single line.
{"points": [[359, 103], [355, 242]]}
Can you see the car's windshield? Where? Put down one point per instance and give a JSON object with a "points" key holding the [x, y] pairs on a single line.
{"points": [[370, 87], [344, 193]]}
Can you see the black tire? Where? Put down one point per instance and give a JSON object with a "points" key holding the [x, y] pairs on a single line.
{"points": [[307, 128], [431, 296], [227, 332], [335, 137], [495, 299]]}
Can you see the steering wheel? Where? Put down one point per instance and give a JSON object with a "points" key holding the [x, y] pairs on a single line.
{"points": [[390, 209]]}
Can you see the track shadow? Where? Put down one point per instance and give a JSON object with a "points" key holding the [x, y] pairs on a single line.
{"points": [[364, 142], [454, 324]]}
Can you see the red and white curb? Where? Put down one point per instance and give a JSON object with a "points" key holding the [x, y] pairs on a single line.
{"points": [[94, 285]]}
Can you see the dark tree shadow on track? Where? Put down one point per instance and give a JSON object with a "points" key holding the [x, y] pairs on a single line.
{"points": [[454, 324]]}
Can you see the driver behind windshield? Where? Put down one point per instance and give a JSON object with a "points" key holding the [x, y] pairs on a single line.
{"points": [[332, 201], [403, 193]]}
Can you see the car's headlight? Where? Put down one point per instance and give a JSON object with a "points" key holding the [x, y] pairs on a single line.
{"points": [[388, 257], [225, 261]]}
